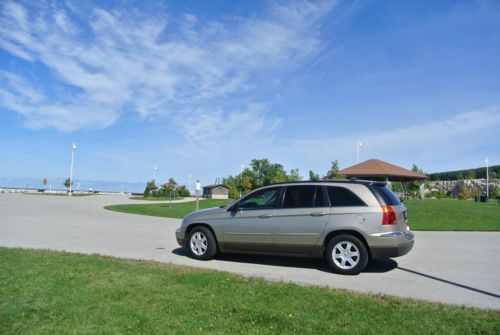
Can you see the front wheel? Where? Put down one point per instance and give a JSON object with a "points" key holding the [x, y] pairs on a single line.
{"points": [[201, 244], [346, 254]]}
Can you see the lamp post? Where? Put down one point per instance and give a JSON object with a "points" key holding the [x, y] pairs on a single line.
{"points": [[358, 146], [189, 183], [73, 149], [154, 172], [487, 180], [241, 175]]}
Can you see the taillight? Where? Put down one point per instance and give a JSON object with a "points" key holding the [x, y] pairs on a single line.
{"points": [[388, 216]]}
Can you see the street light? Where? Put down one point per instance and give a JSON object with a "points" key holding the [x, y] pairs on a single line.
{"points": [[358, 146], [73, 149], [487, 180], [241, 175], [189, 183], [154, 172]]}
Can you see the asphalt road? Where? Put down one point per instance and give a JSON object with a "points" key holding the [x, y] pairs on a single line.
{"points": [[451, 267]]}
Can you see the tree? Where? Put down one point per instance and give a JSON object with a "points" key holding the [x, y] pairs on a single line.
{"points": [[463, 194], [471, 174], [334, 172], [183, 191], [294, 175], [150, 188], [67, 182], [313, 176], [441, 193], [266, 173], [169, 187], [495, 192]]}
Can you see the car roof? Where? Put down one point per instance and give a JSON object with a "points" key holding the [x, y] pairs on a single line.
{"points": [[332, 181]]}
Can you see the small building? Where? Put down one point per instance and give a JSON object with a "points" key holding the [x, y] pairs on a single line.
{"points": [[216, 191]]}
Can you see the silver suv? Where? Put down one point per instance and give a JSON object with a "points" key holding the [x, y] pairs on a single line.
{"points": [[346, 222]]}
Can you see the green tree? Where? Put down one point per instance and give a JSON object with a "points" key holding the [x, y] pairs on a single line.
{"points": [[294, 175], [169, 187], [495, 192], [471, 174], [463, 194], [150, 188], [413, 186], [334, 172], [183, 191], [440, 193], [266, 173], [67, 182], [313, 176]]}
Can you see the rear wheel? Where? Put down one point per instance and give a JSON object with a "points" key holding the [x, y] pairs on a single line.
{"points": [[346, 254], [201, 243]]}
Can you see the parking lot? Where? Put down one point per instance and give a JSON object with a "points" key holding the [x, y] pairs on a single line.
{"points": [[450, 267]]}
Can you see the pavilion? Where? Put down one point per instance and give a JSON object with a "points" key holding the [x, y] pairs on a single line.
{"points": [[375, 169]]}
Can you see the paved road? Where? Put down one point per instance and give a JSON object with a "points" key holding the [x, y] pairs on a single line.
{"points": [[451, 267]]}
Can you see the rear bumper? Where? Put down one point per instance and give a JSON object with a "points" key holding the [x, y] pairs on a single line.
{"points": [[391, 251], [391, 244]]}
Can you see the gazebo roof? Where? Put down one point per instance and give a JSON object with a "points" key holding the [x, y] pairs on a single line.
{"points": [[377, 169]]}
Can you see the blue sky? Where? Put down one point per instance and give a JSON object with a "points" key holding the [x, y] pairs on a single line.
{"points": [[201, 87]]}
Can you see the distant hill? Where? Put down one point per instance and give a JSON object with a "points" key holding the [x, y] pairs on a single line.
{"points": [[478, 173]]}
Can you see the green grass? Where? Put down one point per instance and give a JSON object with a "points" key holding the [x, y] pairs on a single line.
{"points": [[155, 198], [45, 292], [451, 214], [164, 210]]}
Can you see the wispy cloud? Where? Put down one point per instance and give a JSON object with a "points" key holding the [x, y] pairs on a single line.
{"points": [[151, 64], [446, 140]]}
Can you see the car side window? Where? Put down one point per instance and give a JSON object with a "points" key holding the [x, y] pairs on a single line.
{"points": [[320, 200], [264, 199], [299, 196], [343, 197]]}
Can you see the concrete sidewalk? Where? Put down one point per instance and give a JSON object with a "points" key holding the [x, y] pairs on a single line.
{"points": [[451, 267]]}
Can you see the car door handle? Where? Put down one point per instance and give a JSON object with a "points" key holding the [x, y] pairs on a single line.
{"points": [[265, 216], [318, 214]]}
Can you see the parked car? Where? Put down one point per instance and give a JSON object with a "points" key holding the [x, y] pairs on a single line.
{"points": [[346, 222]]}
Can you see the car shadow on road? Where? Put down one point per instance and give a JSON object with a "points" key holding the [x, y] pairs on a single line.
{"points": [[375, 266], [491, 294]]}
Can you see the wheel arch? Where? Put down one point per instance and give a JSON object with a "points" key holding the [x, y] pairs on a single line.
{"points": [[191, 226], [352, 232]]}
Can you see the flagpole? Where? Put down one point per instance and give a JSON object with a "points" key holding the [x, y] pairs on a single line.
{"points": [[487, 181]]}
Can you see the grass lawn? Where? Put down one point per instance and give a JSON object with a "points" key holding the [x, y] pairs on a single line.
{"points": [[54, 292], [155, 198], [164, 210], [451, 214]]}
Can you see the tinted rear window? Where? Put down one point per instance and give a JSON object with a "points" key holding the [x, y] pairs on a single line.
{"points": [[388, 197], [342, 197]]}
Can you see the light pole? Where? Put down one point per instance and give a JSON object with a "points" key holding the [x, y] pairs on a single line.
{"points": [[241, 175], [154, 172], [487, 180], [358, 146], [189, 183], [73, 149]]}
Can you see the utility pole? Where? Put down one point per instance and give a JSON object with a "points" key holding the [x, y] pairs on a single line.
{"points": [[197, 191], [73, 149], [487, 180], [358, 146]]}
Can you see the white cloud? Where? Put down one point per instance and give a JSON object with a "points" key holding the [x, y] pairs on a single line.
{"points": [[151, 63], [448, 140]]}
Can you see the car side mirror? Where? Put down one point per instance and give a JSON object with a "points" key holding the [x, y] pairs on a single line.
{"points": [[235, 208]]}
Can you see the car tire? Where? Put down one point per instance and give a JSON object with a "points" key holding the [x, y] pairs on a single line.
{"points": [[201, 244], [346, 254]]}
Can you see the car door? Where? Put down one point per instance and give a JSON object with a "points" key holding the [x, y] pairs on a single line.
{"points": [[250, 227], [302, 219]]}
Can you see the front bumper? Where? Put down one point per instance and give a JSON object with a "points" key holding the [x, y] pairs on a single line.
{"points": [[179, 235]]}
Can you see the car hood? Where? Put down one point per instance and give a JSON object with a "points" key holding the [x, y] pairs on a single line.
{"points": [[209, 213]]}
